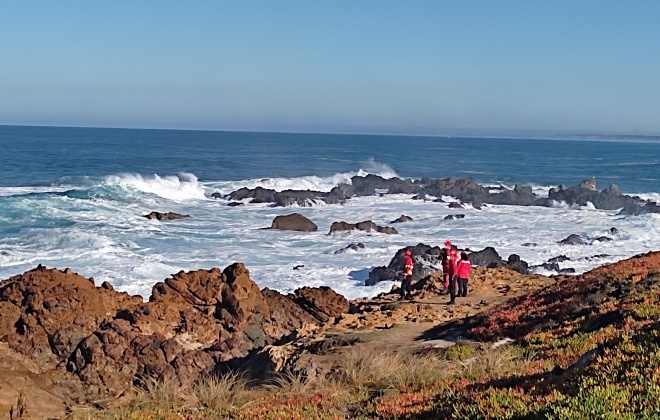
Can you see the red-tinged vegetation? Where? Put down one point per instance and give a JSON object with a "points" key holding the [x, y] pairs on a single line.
{"points": [[586, 347]]}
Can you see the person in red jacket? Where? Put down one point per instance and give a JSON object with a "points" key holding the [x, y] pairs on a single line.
{"points": [[449, 259], [406, 284], [463, 268]]}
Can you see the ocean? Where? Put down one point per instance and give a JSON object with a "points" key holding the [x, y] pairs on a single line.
{"points": [[76, 197]]}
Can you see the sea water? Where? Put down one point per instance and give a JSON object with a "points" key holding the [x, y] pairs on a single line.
{"points": [[76, 197]]}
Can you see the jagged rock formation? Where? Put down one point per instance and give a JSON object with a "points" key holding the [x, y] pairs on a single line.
{"points": [[466, 190], [288, 197], [193, 322]]}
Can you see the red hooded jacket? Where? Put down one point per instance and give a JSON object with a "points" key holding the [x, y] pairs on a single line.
{"points": [[463, 268]]}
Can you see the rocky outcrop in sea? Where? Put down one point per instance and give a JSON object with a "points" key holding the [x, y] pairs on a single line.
{"points": [[466, 190]]}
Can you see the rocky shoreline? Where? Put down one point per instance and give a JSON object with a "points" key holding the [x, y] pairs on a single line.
{"points": [[76, 342], [66, 342]]}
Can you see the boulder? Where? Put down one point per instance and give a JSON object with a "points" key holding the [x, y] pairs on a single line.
{"points": [[321, 302], [487, 257], [296, 222], [573, 240], [516, 264], [378, 274]]}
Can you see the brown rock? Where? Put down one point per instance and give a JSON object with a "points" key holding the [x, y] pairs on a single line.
{"points": [[321, 302], [295, 222]]}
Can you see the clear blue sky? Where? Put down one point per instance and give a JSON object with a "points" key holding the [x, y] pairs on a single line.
{"points": [[334, 66]]}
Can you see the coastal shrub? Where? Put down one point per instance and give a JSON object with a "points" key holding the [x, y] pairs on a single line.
{"points": [[459, 352]]}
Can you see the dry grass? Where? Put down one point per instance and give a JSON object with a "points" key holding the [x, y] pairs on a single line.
{"points": [[383, 370], [362, 374], [225, 392]]}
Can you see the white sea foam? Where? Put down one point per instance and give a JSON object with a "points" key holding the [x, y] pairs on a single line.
{"points": [[110, 240], [312, 182], [181, 187]]}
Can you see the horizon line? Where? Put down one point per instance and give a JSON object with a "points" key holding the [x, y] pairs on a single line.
{"points": [[558, 135]]}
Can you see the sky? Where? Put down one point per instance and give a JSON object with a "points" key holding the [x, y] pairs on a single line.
{"points": [[415, 67]]}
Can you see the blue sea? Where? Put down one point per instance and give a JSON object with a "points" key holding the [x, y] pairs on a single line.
{"points": [[75, 197]]}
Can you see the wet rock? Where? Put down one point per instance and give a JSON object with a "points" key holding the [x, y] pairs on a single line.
{"points": [[378, 274], [351, 247], [166, 216], [516, 264], [487, 257], [403, 218], [602, 239], [235, 204], [552, 266], [456, 205], [559, 259], [573, 240], [367, 226], [303, 198], [454, 216], [295, 222]]}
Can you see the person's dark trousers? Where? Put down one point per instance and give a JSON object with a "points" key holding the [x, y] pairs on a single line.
{"points": [[462, 287], [452, 289], [406, 286]]}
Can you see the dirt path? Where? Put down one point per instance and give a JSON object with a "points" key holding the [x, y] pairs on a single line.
{"points": [[386, 322]]}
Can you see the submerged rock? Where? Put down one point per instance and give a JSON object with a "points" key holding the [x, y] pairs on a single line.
{"points": [[367, 226], [351, 247], [166, 216], [403, 218]]}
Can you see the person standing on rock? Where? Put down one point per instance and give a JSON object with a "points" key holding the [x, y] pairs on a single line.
{"points": [[449, 260], [449, 269], [406, 284], [463, 268]]}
